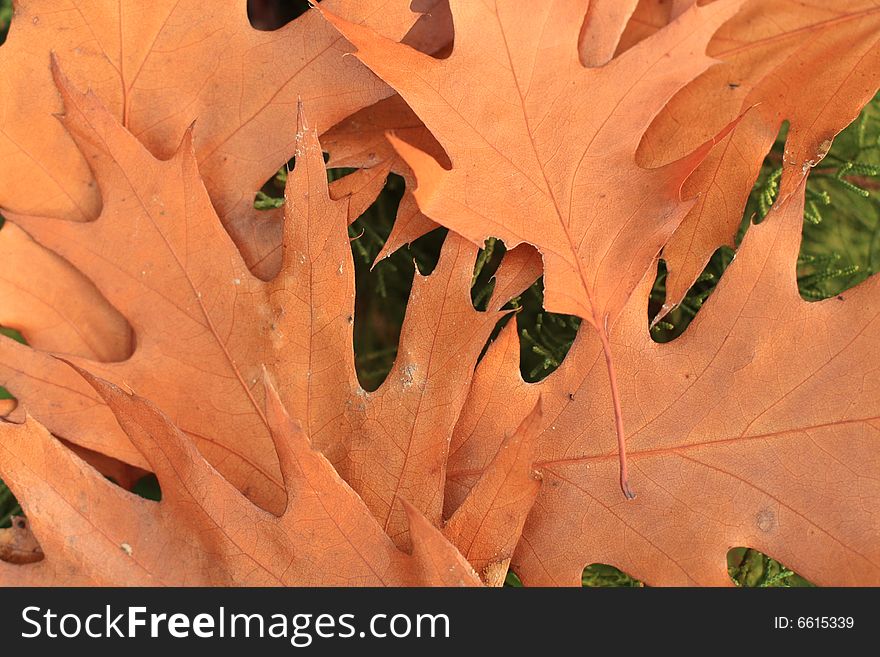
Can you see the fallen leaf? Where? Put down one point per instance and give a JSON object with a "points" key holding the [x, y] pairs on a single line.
{"points": [[58, 309], [814, 64], [757, 427], [204, 532], [487, 525], [543, 149], [162, 65], [205, 327], [361, 142]]}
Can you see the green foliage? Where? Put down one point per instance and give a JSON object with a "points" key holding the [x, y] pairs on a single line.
{"points": [[595, 575], [15, 335], [8, 506], [5, 18], [750, 568]]}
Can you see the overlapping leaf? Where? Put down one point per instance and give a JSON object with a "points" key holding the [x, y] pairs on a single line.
{"points": [[543, 149], [204, 532], [161, 65], [60, 311], [205, 327], [361, 142], [814, 64], [758, 427]]}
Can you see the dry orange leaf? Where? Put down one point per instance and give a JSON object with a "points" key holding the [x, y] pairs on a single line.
{"points": [[44, 296], [757, 427], [516, 153], [543, 149], [361, 142], [160, 66], [205, 327], [812, 63], [204, 532], [487, 526]]}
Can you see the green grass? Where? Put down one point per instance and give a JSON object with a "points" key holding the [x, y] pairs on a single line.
{"points": [[841, 247]]}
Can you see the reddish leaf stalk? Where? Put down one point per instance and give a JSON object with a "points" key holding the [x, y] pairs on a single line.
{"points": [[618, 414]]}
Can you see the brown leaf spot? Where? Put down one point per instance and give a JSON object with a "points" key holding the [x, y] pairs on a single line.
{"points": [[18, 545], [765, 520]]}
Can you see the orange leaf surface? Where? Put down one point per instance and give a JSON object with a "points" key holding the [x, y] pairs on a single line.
{"points": [[204, 532], [361, 142], [205, 327], [158, 67], [488, 524], [757, 427], [173, 328], [42, 296], [812, 63], [543, 149], [518, 162]]}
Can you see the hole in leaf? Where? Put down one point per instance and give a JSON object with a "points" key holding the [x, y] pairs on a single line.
{"points": [[545, 338], [750, 568], [269, 15], [148, 488], [9, 506], [382, 294], [5, 19], [603, 575]]}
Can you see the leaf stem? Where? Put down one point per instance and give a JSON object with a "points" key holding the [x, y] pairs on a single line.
{"points": [[618, 414]]}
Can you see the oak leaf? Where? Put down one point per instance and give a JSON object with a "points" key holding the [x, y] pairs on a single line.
{"points": [[758, 427], [205, 327], [158, 67], [42, 295], [204, 532], [814, 64], [361, 142], [517, 127], [543, 149]]}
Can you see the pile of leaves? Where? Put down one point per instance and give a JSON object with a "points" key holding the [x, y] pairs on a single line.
{"points": [[180, 319]]}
